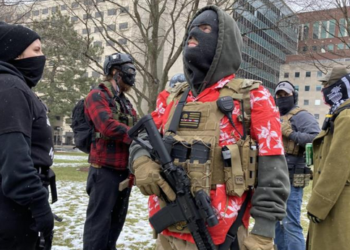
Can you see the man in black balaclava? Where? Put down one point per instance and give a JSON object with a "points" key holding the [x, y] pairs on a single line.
{"points": [[298, 128], [200, 48]]}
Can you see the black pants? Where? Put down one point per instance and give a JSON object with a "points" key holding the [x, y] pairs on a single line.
{"points": [[15, 221], [107, 208]]}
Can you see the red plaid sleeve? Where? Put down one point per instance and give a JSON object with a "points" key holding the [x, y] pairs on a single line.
{"points": [[100, 113]]}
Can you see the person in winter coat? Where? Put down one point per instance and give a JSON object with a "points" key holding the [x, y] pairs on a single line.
{"points": [[211, 55], [298, 128], [328, 207], [26, 147]]}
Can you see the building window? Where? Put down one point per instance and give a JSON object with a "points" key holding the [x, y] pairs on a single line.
{"points": [[99, 1], [98, 14], [110, 43], [319, 73], [317, 102], [86, 16], [318, 87], [331, 28], [63, 7], [45, 11], [330, 47], [98, 44], [53, 9], [297, 74], [286, 75], [296, 87], [304, 49], [111, 27], [123, 26], [75, 5], [95, 74], [340, 46], [35, 13], [306, 102], [343, 28], [308, 74], [112, 12], [316, 30], [317, 116], [86, 31], [307, 88], [98, 29], [122, 41], [74, 19], [314, 48], [124, 10]]}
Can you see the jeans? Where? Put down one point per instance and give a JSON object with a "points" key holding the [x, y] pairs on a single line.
{"points": [[107, 208], [289, 233]]}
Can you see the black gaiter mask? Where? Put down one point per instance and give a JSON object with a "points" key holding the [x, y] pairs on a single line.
{"points": [[32, 69], [337, 92], [199, 58], [285, 104]]}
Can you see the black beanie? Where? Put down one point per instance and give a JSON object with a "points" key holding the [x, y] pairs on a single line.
{"points": [[14, 39]]}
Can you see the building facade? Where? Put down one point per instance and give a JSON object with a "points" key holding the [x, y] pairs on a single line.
{"points": [[323, 44], [270, 33]]}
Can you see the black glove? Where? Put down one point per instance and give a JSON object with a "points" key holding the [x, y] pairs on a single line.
{"points": [[43, 223], [313, 218]]}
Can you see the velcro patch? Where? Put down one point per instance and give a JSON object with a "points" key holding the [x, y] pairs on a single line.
{"points": [[190, 119]]}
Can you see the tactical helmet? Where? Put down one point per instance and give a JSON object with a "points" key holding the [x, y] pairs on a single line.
{"points": [[116, 59], [180, 77]]}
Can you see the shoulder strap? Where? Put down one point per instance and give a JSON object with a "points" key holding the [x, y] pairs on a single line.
{"points": [[293, 112], [338, 111], [239, 89], [176, 91], [177, 114]]}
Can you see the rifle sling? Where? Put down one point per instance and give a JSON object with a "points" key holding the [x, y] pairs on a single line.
{"points": [[177, 114], [231, 241]]}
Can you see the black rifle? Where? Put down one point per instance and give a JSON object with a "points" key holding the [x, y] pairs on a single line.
{"points": [[195, 211]]}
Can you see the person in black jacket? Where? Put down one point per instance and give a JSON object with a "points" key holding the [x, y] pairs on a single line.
{"points": [[26, 149], [299, 127]]}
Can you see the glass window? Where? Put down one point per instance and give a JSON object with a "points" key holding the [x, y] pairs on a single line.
{"points": [[317, 116], [315, 30], [35, 13], [98, 14], [304, 48], [296, 87], [75, 5], [98, 43], [340, 46], [112, 12], [331, 32], [63, 7], [123, 26], [111, 27], [307, 74], [85, 31], [53, 9], [324, 29], [98, 29], [317, 102], [95, 74], [110, 43], [86, 16], [74, 18], [318, 87], [307, 88], [122, 41], [330, 47], [342, 28], [314, 48], [306, 102], [297, 74], [319, 73], [124, 10], [45, 11], [286, 75], [305, 31]]}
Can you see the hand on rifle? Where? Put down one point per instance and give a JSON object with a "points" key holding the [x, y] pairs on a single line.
{"points": [[148, 178]]}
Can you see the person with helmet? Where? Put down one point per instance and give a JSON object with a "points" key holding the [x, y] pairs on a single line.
{"points": [[26, 145], [226, 129], [328, 206], [111, 114], [298, 128]]}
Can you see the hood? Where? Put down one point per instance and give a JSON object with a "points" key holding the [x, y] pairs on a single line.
{"points": [[6, 68], [228, 54]]}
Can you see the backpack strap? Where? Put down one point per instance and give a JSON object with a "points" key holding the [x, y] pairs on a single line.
{"points": [[176, 91], [293, 112], [239, 89]]}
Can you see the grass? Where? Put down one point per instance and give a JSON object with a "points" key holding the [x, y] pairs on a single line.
{"points": [[70, 173]]}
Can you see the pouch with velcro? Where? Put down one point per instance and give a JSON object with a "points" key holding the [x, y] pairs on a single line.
{"points": [[233, 172]]}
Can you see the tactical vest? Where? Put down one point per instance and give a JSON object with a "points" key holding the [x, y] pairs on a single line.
{"points": [[290, 147], [199, 132], [125, 118]]}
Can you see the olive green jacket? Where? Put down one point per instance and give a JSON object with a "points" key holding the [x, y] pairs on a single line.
{"points": [[330, 197]]}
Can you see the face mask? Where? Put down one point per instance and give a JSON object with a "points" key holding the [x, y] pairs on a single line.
{"points": [[336, 92], [32, 69], [128, 73], [199, 58], [285, 104]]}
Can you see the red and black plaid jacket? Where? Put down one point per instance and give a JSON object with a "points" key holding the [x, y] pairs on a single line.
{"points": [[109, 153]]}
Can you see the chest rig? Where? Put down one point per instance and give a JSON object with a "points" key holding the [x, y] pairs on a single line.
{"points": [[290, 147]]}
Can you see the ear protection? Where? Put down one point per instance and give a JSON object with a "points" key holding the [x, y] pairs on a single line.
{"points": [[295, 92]]}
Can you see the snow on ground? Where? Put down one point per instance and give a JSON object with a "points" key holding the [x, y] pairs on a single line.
{"points": [[72, 204], [71, 157]]}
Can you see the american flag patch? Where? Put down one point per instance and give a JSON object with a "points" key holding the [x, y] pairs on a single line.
{"points": [[190, 119]]}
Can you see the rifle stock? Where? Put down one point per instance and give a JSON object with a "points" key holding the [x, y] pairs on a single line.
{"points": [[195, 211]]}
